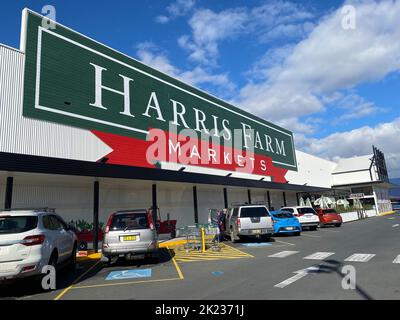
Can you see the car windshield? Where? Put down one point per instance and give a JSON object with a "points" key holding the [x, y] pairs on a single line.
{"points": [[17, 224], [254, 212], [288, 210], [329, 211], [283, 215], [306, 210], [129, 221]]}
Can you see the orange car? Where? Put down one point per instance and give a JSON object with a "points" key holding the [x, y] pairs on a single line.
{"points": [[329, 217]]}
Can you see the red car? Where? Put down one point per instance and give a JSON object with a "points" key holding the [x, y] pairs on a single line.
{"points": [[329, 217]]}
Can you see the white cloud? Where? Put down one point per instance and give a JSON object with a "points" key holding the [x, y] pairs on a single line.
{"points": [[266, 22], [355, 106], [358, 142], [151, 55], [329, 60], [208, 29], [176, 9]]}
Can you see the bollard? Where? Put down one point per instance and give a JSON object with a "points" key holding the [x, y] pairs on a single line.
{"points": [[203, 241]]}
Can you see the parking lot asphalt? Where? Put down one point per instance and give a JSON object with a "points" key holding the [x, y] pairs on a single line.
{"points": [[279, 269]]}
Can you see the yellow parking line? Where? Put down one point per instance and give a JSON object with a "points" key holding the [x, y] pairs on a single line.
{"points": [[63, 292], [208, 259], [76, 281], [242, 252], [176, 265], [123, 283], [226, 253]]}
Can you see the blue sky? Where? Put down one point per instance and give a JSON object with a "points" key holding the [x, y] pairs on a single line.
{"points": [[290, 62]]}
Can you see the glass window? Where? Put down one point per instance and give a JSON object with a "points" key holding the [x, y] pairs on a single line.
{"points": [[288, 210], [235, 212], [329, 211], [253, 212], [9, 225], [306, 210], [47, 223], [51, 222], [129, 221], [61, 222], [55, 223], [283, 215]]}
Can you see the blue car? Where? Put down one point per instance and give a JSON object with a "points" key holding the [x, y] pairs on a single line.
{"points": [[285, 222]]}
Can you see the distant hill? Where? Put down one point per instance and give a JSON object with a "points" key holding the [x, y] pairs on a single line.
{"points": [[395, 192]]}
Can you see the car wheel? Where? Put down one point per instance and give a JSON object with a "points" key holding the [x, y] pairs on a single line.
{"points": [[53, 259], [233, 238], [297, 234], [155, 257], [72, 259], [111, 260], [83, 246]]}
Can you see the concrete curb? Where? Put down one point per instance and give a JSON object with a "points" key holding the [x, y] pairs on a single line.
{"points": [[91, 255], [172, 243], [386, 213]]}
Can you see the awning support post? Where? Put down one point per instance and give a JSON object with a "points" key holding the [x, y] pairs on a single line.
{"points": [[195, 207], [225, 198], [9, 193], [96, 216]]}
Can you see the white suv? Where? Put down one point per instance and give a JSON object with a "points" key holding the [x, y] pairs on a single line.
{"points": [[249, 220], [31, 239], [307, 216]]}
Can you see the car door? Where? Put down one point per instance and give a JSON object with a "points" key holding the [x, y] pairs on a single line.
{"points": [[62, 238], [233, 220], [68, 235]]}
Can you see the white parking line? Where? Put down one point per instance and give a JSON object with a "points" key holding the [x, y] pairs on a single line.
{"points": [[283, 254], [319, 255], [360, 257], [395, 225], [289, 281], [309, 236], [397, 260]]}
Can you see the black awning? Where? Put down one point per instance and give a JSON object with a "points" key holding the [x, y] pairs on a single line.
{"points": [[13, 162]]}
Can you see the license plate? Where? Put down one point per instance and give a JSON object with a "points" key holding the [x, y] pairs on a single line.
{"points": [[334, 221], [6, 268], [129, 238], [289, 228], [256, 231]]}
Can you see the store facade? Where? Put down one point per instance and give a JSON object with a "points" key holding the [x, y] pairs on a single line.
{"points": [[88, 131]]}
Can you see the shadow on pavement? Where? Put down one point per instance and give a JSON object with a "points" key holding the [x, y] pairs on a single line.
{"points": [[19, 288], [334, 266]]}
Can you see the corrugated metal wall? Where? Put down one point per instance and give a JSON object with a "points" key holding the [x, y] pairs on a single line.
{"points": [[37, 137]]}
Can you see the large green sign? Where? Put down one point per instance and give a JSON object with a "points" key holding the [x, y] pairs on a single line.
{"points": [[73, 80]]}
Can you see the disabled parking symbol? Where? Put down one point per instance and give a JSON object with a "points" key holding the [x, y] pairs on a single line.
{"points": [[257, 244], [129, 274]]}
